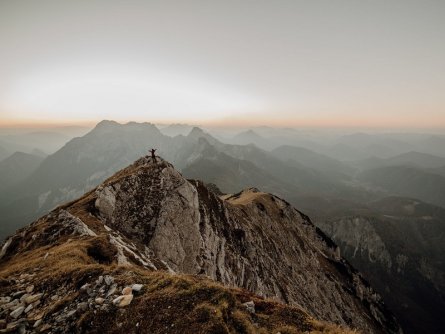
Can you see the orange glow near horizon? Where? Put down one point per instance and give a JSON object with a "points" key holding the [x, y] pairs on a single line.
{"points": [[44, 123], [250, 120], [311, 66]]}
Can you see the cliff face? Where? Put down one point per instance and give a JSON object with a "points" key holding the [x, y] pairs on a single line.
{"points": [[148, 215], [402, 255]]}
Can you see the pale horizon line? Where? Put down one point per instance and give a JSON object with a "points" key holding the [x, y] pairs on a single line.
{"points": [[226, 123]]}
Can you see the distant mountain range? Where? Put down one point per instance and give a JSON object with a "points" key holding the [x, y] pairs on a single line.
{"points": [[332, 190], [36, 142], [17, 167], [410, 159], [407, 181], [293, 172]]}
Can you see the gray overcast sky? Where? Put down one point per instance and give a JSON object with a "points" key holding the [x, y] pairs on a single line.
{"points": [[371, 63]]}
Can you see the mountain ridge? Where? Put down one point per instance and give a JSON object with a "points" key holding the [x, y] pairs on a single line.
{"points": [[154, 218]]}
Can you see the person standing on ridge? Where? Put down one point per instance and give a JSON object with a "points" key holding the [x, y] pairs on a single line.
{"points": [[153, 156]]}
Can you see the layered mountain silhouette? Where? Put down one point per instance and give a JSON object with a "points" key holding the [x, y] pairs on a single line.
{"points": [[408, 159], [86, 161], [125, 244], [407, 181], [17, 167], [328, 190]]}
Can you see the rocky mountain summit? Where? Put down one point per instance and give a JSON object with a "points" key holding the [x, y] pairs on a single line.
{"points": [[114, 261]]}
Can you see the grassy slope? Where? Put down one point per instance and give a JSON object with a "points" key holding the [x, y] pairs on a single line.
{"points": [[168, 302]]}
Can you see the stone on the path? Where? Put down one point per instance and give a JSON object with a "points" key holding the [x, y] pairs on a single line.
{"points": [[18, 294], [126, 300], [22, 298], [117, 300], [33, 298], [71, 313], [17, 312], [112, 290], [39, 316], [250, 306], [99, 300], [82, 306], [123, 300], [37, 323], [28, 308], [137, 287], [11, 305], [29, 288], [127, 290], [108, 279]]}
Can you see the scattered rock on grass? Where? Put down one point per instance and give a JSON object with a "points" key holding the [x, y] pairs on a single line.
{"points": [[250, 306], [127, 290], [137, 287], [123, 300]]}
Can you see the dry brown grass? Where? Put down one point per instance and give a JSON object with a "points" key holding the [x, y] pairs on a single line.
{"points": [[287, 330], [247, 196], [250, 198], [168, 303], [329, 328]]}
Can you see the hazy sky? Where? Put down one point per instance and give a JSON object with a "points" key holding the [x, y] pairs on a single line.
{"points": [[339, 63]]}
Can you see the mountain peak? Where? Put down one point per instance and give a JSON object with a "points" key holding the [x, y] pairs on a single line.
{"points": [[107, 124], [196, 132], [149, 217]]}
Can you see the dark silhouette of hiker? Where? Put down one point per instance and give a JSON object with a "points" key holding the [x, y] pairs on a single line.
{"points": [[153, 156]]}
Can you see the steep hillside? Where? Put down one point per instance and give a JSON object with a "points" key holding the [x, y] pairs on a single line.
{"points": [[76, 286], [148, 217], [399, 245]]}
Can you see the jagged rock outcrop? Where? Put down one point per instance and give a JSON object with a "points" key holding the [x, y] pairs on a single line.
{"points": [[150, 216]]}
